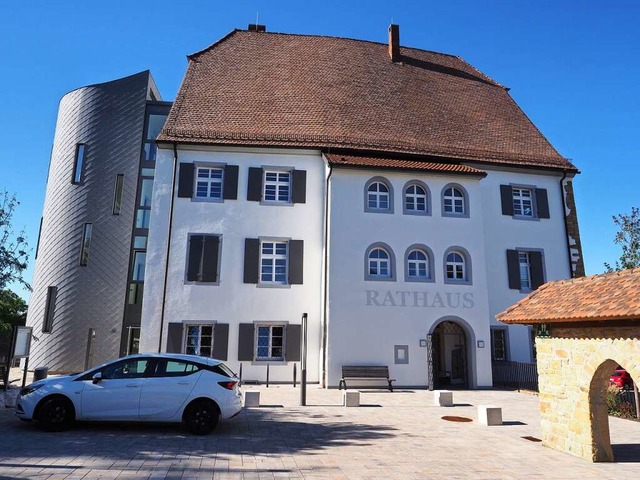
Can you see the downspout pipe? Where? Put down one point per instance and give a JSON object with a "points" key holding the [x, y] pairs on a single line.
{"points": [[168, 250], [325, 326], [564, 217]]}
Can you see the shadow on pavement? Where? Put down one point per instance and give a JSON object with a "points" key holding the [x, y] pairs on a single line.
{"points": [[626, 452]]}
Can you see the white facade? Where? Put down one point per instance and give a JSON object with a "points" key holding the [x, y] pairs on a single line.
{"points": [[368, 320], [230, 300]]}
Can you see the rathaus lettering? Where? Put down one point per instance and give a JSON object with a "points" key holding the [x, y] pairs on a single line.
{"points": [[400, 298]]}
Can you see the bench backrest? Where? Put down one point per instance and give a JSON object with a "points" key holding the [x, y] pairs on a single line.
{"points": [[365, 371]]}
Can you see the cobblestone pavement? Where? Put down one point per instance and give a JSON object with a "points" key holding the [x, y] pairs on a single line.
{"points": [[393, 435]]}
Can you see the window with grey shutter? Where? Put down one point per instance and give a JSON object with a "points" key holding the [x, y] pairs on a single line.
{"points": [[537, 269], [245, 342], [254, 186], [185, 180], [299, 187], [251, 260], [292, 353], [513, 268], [202, 263], [296, 262], [174, 337], [230, 189], [542, 203], [506, 197], [220, 341]]}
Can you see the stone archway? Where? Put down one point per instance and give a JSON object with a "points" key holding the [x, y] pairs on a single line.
{"points": [[450, 359], [600, 435]]}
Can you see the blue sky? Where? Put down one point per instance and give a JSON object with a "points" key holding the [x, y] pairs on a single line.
{"points": [[573, 66]]}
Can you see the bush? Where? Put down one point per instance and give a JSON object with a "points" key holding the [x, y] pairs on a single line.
{"points": [[617, 405]]}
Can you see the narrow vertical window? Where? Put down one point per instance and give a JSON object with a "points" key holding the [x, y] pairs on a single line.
{"points": [[78, 164], [455, 266], [117, 194], [139, 261], [525, 270], [49, 309], [86, 244], [498, 345]]}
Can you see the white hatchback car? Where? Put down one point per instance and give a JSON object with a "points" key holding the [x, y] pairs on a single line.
{"points": [[143, 387]]}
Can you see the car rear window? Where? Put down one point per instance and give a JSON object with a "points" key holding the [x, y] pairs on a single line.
{"points": [[222, 369]]}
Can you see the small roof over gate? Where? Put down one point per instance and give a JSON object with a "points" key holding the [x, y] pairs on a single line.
{"points": [[609, 296]]}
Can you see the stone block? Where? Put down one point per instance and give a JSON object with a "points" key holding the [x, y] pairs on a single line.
{"points": [[489, 415], [251, 398], [443, 398], [351, 398]]}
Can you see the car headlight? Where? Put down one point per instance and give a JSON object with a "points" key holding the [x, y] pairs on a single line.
{"points": [[30, 389]]}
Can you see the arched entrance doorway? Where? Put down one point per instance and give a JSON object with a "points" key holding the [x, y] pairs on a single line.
{"points": [[447, 360]]}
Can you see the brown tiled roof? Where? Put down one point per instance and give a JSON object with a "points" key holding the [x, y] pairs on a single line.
{"points": [[405, 164], [275, 89], [609, 296]]}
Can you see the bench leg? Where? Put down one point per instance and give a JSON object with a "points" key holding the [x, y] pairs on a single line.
{"points": [[390, 385], [342, 382]]}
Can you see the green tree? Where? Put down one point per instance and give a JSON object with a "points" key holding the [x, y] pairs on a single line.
{"points": [[628, 237], [13, 311], [13, 248]]}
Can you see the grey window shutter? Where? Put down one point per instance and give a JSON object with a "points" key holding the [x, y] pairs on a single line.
{"points": [[174, 338], [299, 187], [296, 260], [230, 188], [210, 258], [537, 269], [245, 342], [513, 267], [251, 260], [506, 196], [542, 203], [292, 353], [185, 180], [195, 258], [220, 341], [254, 187]]}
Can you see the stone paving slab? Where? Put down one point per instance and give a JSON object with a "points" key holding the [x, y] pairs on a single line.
{"points": [[392, 435]]}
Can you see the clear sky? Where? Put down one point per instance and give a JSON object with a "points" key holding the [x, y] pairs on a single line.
{"points": [[572, 65]]}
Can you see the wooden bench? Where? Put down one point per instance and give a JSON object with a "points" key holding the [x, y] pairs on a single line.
{"points": [[365, 372]]}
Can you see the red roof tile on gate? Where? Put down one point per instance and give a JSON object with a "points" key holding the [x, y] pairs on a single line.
{"points": [[609, 296], [272, 89], [404, 164]]}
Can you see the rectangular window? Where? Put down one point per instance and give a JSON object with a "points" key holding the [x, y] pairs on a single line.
{"points": [[142, 218], [135, 293], [273, 262], [202, 258], [498, 344], [86, 243], [49, 309], [209, 182], [269, 342], [139, 260], [525, 270], [117, 194], [199, 340], [79, 163], [277, 186], [522, 202]]}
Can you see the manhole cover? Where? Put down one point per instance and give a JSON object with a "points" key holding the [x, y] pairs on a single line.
{"points": [[450, 418], [532, 439]]}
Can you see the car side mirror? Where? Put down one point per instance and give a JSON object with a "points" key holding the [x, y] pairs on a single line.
{"points": [[97, 377]]}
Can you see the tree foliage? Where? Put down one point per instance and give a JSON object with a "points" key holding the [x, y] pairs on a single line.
{"points": [[13, 248], [13, 311], [628, 237]]}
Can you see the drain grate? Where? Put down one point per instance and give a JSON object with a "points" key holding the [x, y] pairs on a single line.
{"points": [[450, 418], [531, 439]]}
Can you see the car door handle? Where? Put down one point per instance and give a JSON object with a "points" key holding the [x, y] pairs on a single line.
{"points": [[184, 383], [133, 385]]}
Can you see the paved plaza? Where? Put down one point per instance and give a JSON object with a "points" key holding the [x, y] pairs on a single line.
{"points": [[398, 435]]}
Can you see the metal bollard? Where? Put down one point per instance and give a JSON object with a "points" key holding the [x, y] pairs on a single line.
{"points": [[40, 373], [240, 376], [294, 375], [267, 375]]}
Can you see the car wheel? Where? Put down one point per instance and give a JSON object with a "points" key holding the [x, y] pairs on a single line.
{"points": [[201, 417], [55, 415]]}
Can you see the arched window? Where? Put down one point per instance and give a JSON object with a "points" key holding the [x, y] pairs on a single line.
{"points": [[457, 266], [418, 266], [378, 196], [379, 262], [416, 198], [455, 201]]}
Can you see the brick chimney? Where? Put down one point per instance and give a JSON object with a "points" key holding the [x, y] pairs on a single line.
{"points": [[394, 42], [257, 28]]}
